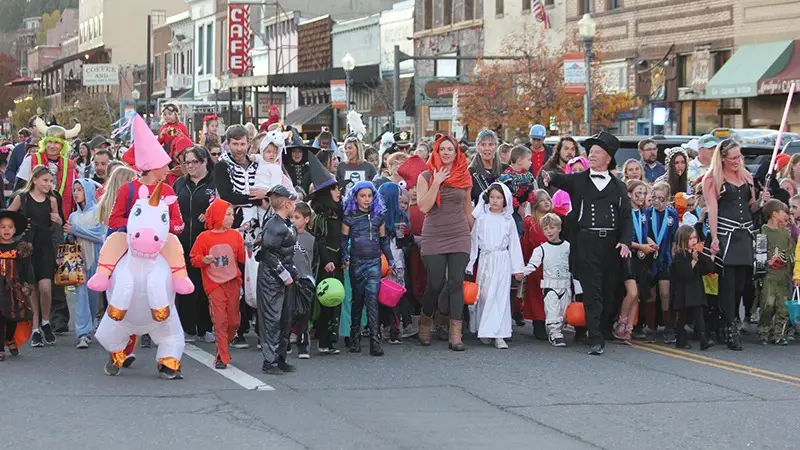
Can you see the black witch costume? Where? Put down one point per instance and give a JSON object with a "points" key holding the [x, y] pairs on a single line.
{"points": [[16, 282]]}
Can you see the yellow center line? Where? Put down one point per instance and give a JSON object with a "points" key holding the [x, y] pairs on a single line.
{"points": [[720, 364]]}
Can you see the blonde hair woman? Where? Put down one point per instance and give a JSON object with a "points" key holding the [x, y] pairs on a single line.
{"points": [[119, 177], [632, 170], [730, 198]]}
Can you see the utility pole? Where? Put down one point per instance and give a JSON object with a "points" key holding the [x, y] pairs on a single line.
{"points": [[149, 67]]}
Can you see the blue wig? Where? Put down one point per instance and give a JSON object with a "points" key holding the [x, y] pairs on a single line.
{"points": [[376, 209], [390, 194]]}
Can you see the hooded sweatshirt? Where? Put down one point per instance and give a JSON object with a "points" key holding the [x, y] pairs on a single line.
{"points": [[227, 248], [86, 226]]}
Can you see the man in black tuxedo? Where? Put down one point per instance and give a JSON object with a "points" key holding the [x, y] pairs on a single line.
{"points": [[602, 232]]}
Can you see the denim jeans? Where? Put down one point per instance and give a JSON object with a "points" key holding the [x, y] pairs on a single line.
{"points": [[365, 280], [86, 302]]}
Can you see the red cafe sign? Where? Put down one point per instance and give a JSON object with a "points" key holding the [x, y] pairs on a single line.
{"points": [[238, 38], [772, 86]]}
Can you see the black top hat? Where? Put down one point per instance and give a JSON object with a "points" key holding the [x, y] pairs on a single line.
{"points": [[320, 177], [606, 140], [402, 138], [280, 190], [20, 221]]}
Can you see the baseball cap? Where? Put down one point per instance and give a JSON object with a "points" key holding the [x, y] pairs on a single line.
{"points": [[707, 141], [538, 132]]}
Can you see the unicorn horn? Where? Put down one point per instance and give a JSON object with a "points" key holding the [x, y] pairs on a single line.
{"points": [[156, 196]]}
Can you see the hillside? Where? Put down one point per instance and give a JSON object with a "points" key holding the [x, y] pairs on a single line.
{"points": [[16, 10]]}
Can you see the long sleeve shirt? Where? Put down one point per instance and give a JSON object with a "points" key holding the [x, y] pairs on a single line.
{"points": [[227, 248], [118, 221]]}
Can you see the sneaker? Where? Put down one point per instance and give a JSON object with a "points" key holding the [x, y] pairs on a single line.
{"points": [[394, 337], [146, 342], [328, 350], [763, 342], [302, 352], [286, 367], [486, 341], [289, 350], [271, 369], [219, 365], [36, 339], [754, 318], [258, 345], [559, 342], [239, 342], [669, 336], [110, 368], [596, 350], [188, 338], [129, 360], [782, 342], [500, 344], [650, 337], [49, 336], [209, 338], [83, 342], [620, 330], [409, 331], [638, 333], [61, 329], [292, 338]]}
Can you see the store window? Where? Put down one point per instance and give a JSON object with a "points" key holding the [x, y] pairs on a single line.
{"points": [[448, 12], [498, 7]]}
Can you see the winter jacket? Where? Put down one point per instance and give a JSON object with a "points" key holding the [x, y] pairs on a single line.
{"points": [[193, 199]]}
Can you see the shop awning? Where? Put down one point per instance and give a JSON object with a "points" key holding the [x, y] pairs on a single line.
{"points": [[322, 78], [780, 83], [23, 81], [304, 114], [739, 77]]}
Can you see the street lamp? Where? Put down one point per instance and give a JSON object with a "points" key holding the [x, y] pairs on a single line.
{"points": [[77, 104], [10, 115], [38, 111], [587, 28], [348, 64], [136, 95], [215, 86]]}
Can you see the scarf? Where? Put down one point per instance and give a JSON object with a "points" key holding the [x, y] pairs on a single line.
{"points": [[459, 178]]}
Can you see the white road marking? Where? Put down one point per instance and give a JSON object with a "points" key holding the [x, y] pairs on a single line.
{"points": [[239, 377]]}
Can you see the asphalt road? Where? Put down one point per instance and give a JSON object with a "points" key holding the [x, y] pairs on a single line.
{"points": [[529, 396]]}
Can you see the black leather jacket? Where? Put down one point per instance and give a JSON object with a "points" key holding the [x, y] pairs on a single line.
{"points": [[277, 248]]}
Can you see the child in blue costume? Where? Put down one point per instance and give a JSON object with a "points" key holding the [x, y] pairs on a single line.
{"points": [[363, 241]]}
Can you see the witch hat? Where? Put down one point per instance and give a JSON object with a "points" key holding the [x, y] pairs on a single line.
{"points": [[320, 177]]}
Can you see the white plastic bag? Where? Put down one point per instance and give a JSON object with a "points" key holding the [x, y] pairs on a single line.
{"points": [[250, 279]]}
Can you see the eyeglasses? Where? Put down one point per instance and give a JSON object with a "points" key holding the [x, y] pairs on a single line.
{"points": [[192, 162]]}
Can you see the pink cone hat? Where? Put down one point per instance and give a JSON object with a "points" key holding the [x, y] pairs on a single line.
{"points": [[148, 154]]}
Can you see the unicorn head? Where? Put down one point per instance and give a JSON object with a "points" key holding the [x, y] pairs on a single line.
{"points": [[148, 223]]}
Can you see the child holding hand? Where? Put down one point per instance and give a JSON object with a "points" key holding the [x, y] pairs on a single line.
{"points": [[218, 252]]}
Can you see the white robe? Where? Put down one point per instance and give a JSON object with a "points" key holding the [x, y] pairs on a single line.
{"points": [[495, 237]]}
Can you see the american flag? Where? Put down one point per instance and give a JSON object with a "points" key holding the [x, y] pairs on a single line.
{"points": [[540, 14]]}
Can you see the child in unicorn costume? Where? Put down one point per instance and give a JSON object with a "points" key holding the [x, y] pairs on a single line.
{"points": [[142, 268]]}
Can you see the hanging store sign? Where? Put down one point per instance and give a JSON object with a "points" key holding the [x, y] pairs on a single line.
{"points": [[100, 75], [239, 39], [574, 73]]}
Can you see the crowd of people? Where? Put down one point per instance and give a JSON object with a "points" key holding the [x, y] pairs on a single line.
{"points": [[263, 222]]}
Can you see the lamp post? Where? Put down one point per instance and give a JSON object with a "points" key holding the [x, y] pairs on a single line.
{"points": [[587, 28], [77, 104], [215, 86], [10, 115], [348, 64]]}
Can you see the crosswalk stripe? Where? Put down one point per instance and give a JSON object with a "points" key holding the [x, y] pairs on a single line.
{"points": [[232, 373]]}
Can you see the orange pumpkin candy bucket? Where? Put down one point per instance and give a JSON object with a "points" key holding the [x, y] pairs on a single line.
{"points": [[470, 291], [576, 315]]}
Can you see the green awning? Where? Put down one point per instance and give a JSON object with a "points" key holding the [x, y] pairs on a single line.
{"points": [[739, 77]]}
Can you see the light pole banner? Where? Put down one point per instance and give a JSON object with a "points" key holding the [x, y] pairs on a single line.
{"points": [[574, 73], [339, 94]]}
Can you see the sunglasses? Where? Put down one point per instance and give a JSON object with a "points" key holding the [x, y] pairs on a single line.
{"points": [[216, 153]]}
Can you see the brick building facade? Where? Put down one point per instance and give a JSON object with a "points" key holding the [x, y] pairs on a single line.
{"points": [[446, 28]]}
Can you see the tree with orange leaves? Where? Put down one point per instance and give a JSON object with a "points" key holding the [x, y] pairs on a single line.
{"points": [[529, 89]]}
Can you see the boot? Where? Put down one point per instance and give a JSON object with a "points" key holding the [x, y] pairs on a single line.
{"points": [[539, 330], [705, 343], [375, 346], [734, 341], [425, 326], [455, 336], [355, 339], [682, 340]]}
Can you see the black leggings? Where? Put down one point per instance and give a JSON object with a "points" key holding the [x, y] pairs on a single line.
{"points": [[732, 282], [7, 329], [447, 268], [689, 315]]}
